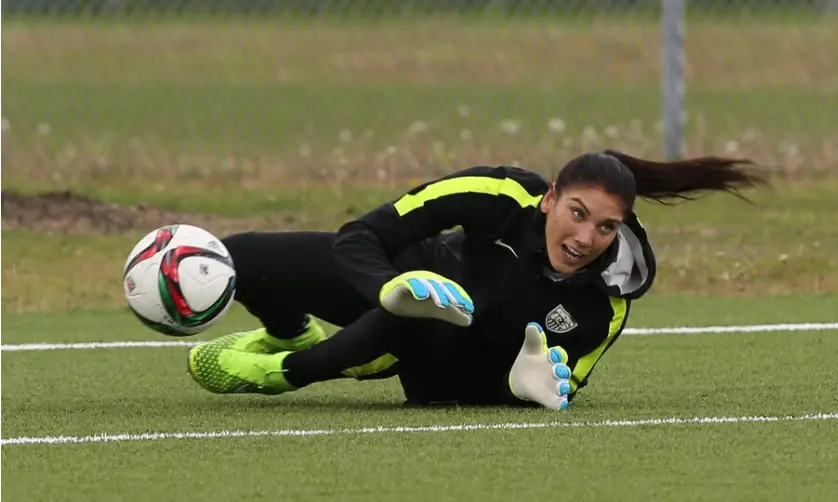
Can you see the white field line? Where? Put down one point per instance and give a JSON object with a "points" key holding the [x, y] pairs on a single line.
{"points": [[678, 330], [22, 347], [158, 436]]}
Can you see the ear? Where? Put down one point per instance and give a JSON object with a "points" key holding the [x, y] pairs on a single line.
{"points": [[549, 200]]}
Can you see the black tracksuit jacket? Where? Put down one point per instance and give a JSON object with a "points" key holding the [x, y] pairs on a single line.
{"points": [[497, 253]]}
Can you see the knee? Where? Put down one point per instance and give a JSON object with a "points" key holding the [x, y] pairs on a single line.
{"points": [[242, 242], [235, 242], [242, 247]]}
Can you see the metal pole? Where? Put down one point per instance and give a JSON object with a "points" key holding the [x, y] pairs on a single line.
{"points": [[673, 28]]}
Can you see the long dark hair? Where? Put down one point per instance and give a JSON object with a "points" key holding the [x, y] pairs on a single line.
{"points": [[630, 177]]}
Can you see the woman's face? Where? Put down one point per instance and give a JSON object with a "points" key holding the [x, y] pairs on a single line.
{"points": [[581, 223]]}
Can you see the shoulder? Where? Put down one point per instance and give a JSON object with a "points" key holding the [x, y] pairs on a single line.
{"points": [[526, 178], [525, 188], [628, 268], [530, 180]]}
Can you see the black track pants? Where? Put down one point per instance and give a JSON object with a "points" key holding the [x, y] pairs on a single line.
{"points": [[283, 276]]}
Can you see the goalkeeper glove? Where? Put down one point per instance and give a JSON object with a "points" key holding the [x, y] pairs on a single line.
{"points": [[539, 373], [420, 293]]}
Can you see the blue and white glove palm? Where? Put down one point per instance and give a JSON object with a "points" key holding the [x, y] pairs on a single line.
{"points": [[539, 373], [420, 293]]}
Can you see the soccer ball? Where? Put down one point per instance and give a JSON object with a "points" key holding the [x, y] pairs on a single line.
{"points": [[179, 280]]}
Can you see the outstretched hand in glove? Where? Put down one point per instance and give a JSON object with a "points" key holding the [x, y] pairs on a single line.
{"points": [[539, 373]]}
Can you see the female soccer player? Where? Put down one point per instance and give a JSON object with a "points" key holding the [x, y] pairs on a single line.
{"points": [[516, 305]]}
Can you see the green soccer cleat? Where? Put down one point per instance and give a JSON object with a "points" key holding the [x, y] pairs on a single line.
{"points": [[222, 370], [222, 366], [258, 341]]}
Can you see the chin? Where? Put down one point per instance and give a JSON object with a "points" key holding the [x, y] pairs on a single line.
{"points": [[563, 268]]}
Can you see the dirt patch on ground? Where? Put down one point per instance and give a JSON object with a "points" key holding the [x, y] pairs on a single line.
{"points": [[69, 212]]}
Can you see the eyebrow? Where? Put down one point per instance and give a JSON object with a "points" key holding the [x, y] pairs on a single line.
{"points": [[579, 201]]}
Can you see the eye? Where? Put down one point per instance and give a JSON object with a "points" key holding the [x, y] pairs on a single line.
{"points": [[607, 228], [577, 213]]}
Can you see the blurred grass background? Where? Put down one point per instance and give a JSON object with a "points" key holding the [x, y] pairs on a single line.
{"points": [[283, 119], [217, 96]]}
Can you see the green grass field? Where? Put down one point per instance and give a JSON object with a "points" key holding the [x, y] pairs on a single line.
{"points": [[282, 124], [146, 390]]}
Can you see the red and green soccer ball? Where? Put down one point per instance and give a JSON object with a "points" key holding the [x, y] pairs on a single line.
{"points": [[179, 280]]}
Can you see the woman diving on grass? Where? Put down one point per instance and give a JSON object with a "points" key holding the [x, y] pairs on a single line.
{"points": [[516, 306]]}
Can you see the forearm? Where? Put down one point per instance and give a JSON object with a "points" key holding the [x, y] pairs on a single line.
{"points": [[363, 260]]}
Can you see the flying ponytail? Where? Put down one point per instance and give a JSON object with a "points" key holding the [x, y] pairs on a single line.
{"points": [[685, 179], [630, 177]]}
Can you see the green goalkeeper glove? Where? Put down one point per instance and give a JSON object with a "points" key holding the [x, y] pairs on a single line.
{"points": [[420, 293]]}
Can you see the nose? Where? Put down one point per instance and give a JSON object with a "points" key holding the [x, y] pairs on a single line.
{"points": [[584, 237]]}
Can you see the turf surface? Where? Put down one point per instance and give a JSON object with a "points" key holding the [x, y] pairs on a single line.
{"points": [[146, 390]]}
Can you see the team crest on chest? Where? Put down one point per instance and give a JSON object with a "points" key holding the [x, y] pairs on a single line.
{"points": [[559, 321]]}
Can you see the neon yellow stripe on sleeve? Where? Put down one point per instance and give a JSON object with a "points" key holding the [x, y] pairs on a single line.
{"points": [[467, 184]]}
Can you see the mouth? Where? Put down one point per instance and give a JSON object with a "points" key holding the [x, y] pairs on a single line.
{"points": [[571, 254]]}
